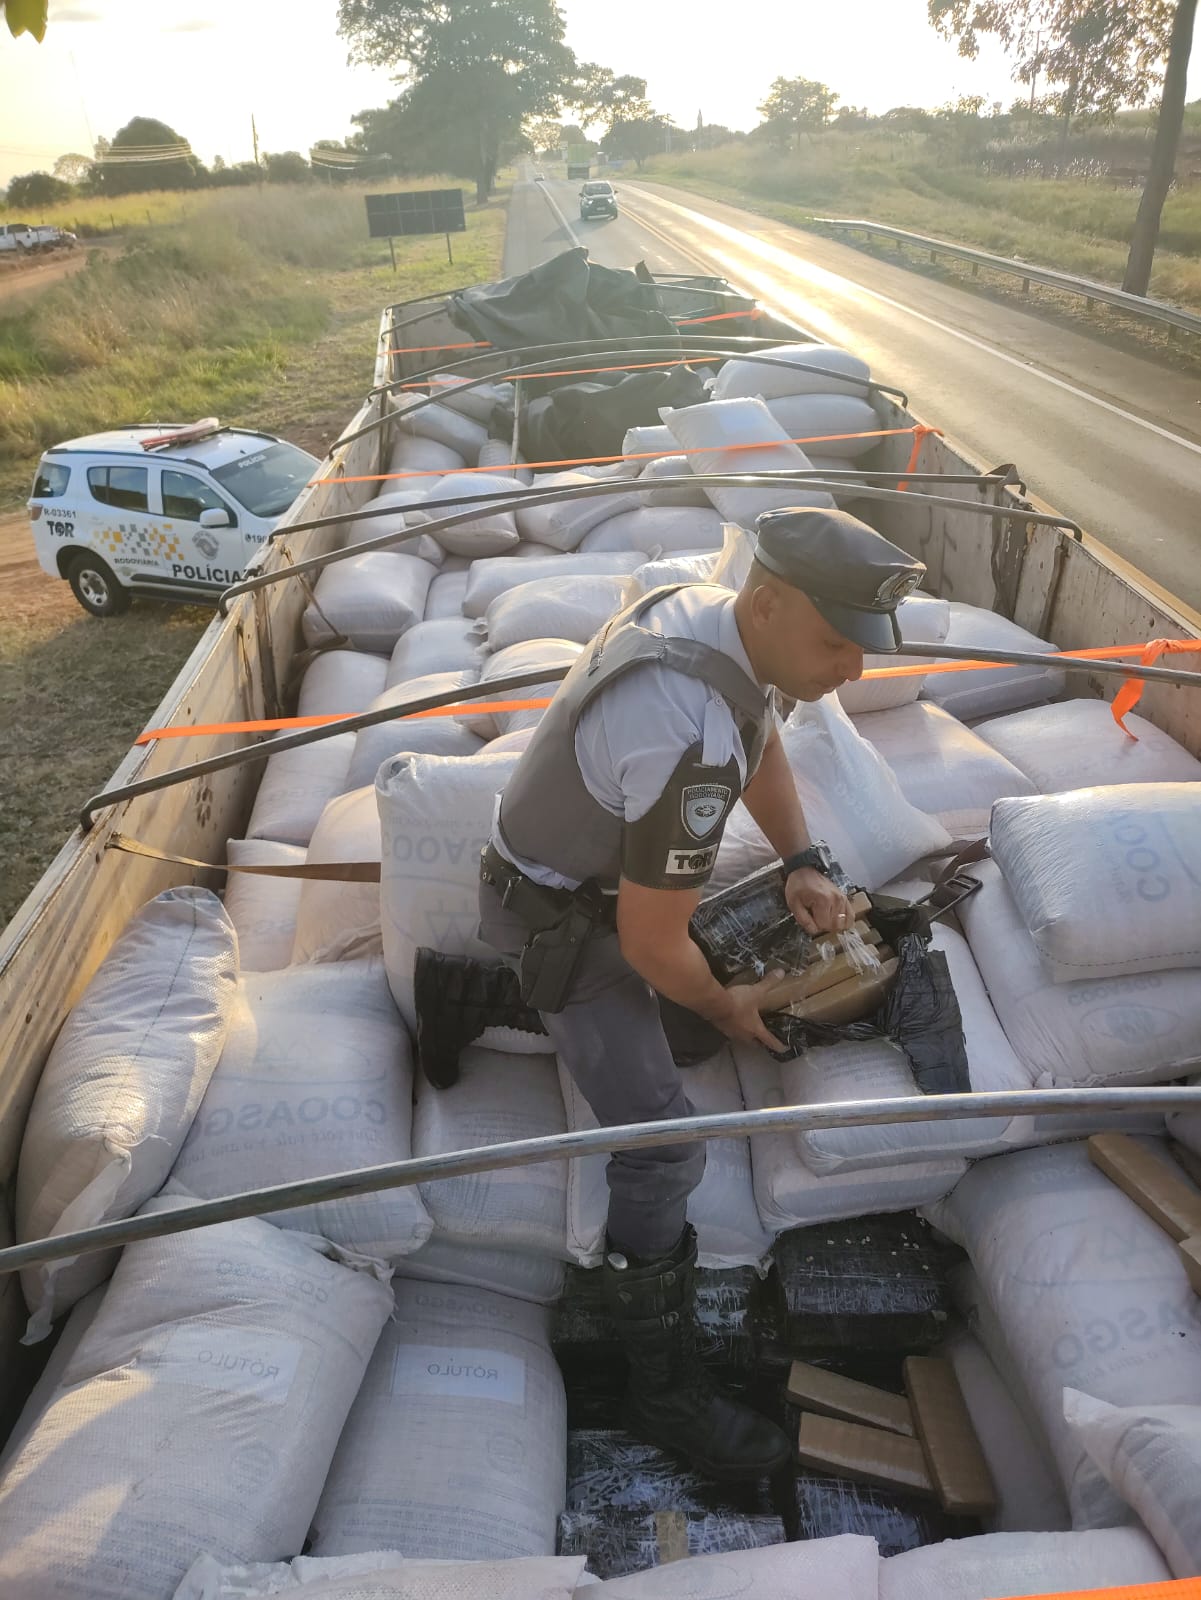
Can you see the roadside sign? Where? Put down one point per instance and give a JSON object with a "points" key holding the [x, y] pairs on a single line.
{"points": [[418, 211]]}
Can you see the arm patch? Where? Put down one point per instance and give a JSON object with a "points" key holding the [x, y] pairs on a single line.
{"points": [[674, 846]]}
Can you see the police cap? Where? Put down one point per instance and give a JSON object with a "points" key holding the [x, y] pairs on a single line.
{"points": [[853, 576]]}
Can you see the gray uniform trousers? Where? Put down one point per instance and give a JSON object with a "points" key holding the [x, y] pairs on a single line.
{"points": [[621, 1042]]}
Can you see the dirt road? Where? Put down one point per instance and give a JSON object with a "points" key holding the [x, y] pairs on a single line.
{"points": [[21, 284]]}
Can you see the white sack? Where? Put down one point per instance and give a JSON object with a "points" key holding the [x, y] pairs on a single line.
{"points": [[491, 531], [943, 768], [1106, 880], [339, 682], [466, 1383], [70, 1335], [518, 1273], [987, 693], [923, 619], [316, 1077], [415, 543], [385, 1575], [427, 736], [1029, 1494], [497, 1098], [657, 530], [435, 816], [844, 1567], [554, 608], [122, 1084], [331, 912], [511, 743], [738, 378], [821, 418], [788, 1195], [199, 1412], [1077, 743], [648, 440], [685, 493], [445, 425], [411, 454], [478, 403], [877, 1069], [296, 787], [851, 800], [1088, 1293], [708, 432], [1150, 1455], [450, 645], [446, 595], [1140, 1029], [561, 524], [263, 909], [490, 578], [686, 567], [521, 658], [368, 600], [721, 1208], [1009, 1564]]}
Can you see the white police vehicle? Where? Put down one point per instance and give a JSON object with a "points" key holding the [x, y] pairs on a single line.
{"points": [[167, 510]]}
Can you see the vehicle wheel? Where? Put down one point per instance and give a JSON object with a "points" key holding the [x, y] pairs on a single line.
{"points": [[94, 586]]}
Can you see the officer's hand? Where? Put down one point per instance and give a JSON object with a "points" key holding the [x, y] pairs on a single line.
{"points": [[739, 1017], [817, 904]]}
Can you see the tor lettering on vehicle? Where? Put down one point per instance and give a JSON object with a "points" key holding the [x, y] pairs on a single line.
{"points": [[702, 807]]}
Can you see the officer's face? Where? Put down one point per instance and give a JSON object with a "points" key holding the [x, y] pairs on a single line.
{"points": [[794, 647]]}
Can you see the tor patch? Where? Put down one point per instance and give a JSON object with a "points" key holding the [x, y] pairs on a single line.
{"points": [[674, 846], [702, 807]]}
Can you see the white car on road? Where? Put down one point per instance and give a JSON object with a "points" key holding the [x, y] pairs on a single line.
{"points": [[166, 510]]}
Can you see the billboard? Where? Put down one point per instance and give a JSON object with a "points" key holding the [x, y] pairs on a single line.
{"points": [[396, 216]]}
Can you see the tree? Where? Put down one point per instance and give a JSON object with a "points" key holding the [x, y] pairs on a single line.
{"points": [[25, 16], [73, 168], [37, 189], [146, 154], [289, 166], [639, 137], [491, 64], [1168, 123], [795, 106]]}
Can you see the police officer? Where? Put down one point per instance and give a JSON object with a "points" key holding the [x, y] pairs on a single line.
{"points": [[605, 835]]}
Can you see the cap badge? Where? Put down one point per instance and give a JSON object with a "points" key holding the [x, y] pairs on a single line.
{"points": [[896, 586]]}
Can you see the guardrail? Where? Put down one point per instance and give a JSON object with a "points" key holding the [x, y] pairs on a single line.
{"points": [[1169, 316]]}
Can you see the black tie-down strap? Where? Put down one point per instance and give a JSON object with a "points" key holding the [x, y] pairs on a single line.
{"points": [[456, 998]]}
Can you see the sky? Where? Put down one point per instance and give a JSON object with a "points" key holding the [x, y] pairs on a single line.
{"points": [[206, 66]]}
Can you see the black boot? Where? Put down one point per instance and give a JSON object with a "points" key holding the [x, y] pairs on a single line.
{"points": [[456, 998], [671, 1401]]}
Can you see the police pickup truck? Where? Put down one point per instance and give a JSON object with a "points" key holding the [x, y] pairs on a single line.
{"points": [[166, 510]]}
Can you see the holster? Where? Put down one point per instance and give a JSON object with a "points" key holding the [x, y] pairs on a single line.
{"points": [[561, 921]]}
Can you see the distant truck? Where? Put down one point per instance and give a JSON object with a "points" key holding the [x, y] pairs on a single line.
{"points": [[579, 161], [22, 237]]}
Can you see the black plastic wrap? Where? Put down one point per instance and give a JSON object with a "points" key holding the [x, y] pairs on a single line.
{"points": [[897, 1522], [610, 1472], [873, 1284], [620, 1544]]}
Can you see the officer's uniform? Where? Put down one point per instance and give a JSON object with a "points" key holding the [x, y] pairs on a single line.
{"points": [[632, 772]]}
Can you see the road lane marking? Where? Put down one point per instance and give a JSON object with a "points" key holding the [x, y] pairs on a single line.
{"points": [[557, 209], [785, 260]]}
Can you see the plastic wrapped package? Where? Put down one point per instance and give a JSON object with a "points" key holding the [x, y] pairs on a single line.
{"points": [[367, 601], [827, 1507], [610, 1472], [969, 695], [340, 682], [445, 425], [521, 658], [709, 435], [497, 1098], [788, 1195], [1143, 1028], [385, 1575], [659, 530], [228, 1357], [738, 378], [1076, 743], [519, 1274], [491, 532], [1106, 879], [263, 909], [432, 736], [316, 1077], [296, 787], [943, 768], [451, 644], [1076, 1308], [561, 524], [556, 608], [1024, 1564], [922, 619], [492, 577], [121, 1085], [332, 912], [446, 595], [624, 1544], [467, 1381]]}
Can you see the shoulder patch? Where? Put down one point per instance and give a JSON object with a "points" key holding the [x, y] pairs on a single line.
{"points": [[703, 806]]}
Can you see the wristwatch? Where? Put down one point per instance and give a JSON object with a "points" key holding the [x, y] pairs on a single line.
{"points": [[817, 856]]}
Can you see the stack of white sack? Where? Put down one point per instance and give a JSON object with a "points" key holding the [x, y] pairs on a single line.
{"points": [[488, 579], [411, 454], [554, 608], [721, 1208], [1071, 1306], [469, 396], [367, 601], [851, 800], [995, 1564], [335, 917], [990, 691], [497, 456], [421, 418], [561, 524], [447, 592], [734, 436], [386, 517], [1077, 743], [657, 530], [199, 1412], [682, 490], [789, 1195], [428, 736], [386, 1575], [466, 1383], [877, 1069], [316, 1076], [338, 682], [451, 644], [488, 526], [521, 1273], [122, 1084], [942, 767], [296, 787], [730, 566], [922, 619], [263, 908], [789, 369], [534, 653], [497, 1098]]}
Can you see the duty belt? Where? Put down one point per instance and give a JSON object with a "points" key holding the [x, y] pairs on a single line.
{"points": [[537, 904]]}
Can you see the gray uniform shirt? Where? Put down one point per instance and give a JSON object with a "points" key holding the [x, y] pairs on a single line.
{"points": [[631, 739]]}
